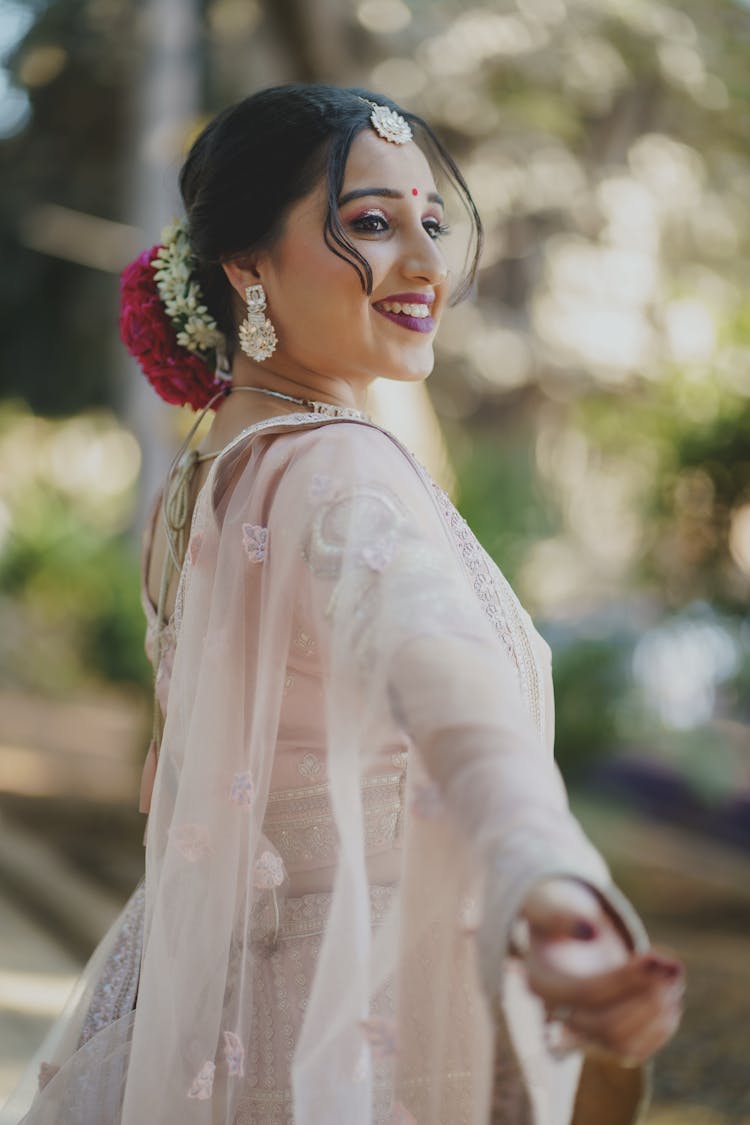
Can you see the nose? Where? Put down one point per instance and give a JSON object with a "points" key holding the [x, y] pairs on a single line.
{"points": [[423, 259]]}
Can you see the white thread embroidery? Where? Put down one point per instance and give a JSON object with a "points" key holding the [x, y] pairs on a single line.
{"points": [[310, 767], [305, 643], [380, 554], [193, 841], [268, 871], [234, 1054], [203, 1083], [322, 487], [242, 789], [255, 540]]}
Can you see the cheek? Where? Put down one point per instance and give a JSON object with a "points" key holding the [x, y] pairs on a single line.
{"points": [[323, 297]]}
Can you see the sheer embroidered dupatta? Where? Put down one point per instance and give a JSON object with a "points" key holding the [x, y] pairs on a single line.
{"points": [[328, 528]]}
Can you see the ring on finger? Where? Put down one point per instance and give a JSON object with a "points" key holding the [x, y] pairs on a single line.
{"points": [[559, 1041]]}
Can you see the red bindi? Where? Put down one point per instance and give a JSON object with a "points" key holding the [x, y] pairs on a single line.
{"points": [[414, 191]]}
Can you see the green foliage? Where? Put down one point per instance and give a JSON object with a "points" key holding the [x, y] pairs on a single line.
{"points": [[499, 497], [694, 436], [69, 579], [76, 591], [591, 682]]}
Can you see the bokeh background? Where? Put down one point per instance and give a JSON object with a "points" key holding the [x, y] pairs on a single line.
{"points": [[593, 403]]}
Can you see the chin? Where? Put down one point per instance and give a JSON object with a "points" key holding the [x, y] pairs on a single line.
{"points": [[413, 368]]}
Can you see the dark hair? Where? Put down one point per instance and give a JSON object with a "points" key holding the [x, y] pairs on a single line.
{"points": [[256, 158]]}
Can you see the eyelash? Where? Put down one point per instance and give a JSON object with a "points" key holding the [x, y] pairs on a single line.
{"points": [[440, 229]]}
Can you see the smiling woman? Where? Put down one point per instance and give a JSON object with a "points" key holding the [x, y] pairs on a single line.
{"points": [[364, 889]]}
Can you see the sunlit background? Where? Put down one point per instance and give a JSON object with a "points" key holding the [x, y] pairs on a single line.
{"points": [[590, 410]]}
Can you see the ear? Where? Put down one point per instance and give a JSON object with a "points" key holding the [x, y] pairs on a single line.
{"points": [[241, 272]]}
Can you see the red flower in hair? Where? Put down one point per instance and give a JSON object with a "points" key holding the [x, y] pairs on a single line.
{"points": [[178, 375]]}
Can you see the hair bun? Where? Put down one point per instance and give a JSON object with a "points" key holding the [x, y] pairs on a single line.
{"points": [[169, 355]]}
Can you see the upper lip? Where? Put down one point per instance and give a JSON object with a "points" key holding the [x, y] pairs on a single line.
{"points": [[408, 298]]}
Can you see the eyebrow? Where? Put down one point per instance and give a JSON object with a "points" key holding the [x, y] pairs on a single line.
{"points": [[387, 193]]}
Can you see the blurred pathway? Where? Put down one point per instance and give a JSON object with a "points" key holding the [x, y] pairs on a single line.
{"points": [[694, 896], [36, 977]]}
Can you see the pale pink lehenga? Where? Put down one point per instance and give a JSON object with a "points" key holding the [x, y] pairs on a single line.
{"points": [[355, 790]]}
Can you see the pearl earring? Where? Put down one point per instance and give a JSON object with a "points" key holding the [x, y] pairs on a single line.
{"points": [[257, 335]]}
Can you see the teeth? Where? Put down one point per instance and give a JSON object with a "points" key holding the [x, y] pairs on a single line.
{"points": [[419, 311]]}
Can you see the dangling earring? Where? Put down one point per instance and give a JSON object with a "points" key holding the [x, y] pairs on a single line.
{"points": [[257, 334]]}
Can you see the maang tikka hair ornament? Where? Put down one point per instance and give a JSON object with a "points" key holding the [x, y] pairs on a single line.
{"points": [[388, 124], [257, 335]]}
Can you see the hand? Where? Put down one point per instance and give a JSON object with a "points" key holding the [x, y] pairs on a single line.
{"points": [[579, 961]]}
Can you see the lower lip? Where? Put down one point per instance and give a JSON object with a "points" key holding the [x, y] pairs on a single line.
{"points": [[415, 324]]}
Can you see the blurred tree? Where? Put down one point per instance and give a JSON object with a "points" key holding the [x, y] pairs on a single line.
{"points": [[56, 315], [606, 148]]}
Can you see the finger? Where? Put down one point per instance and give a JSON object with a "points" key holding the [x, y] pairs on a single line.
{"points": [[644, 1041], [620, 1025], [626, 1052], [556, 987]]}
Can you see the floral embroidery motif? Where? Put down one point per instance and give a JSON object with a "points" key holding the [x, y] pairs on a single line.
{"points": [[322, 487], [310, 766], [365, 522], [242, 789], [203, 1083], [380, 1033], [234, 1054], [268, 871], [254, 540], [193, 841], [400, 759], [305, 643], [380, 554], [194, 547], [288, 684], [428, 803]]}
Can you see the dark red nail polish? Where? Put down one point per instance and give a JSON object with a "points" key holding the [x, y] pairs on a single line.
{"points": [[662, 968], [584, 931]]}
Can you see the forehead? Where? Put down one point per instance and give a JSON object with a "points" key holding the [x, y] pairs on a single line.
{"points": [[373, 161]]}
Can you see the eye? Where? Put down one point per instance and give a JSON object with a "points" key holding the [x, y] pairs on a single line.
{"points": [[435, 229], [366, 223]]}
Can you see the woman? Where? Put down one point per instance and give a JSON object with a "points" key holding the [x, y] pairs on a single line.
{"points": [[365, 898]]}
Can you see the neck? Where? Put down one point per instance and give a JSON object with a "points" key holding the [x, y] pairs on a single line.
{"points": [[277, 374]]}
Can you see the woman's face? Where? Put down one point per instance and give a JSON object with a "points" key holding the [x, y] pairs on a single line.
{"points": [[326, 325]]}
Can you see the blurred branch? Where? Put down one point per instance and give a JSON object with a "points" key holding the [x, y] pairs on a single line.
{"points": [[313, 33], [88, 240]]}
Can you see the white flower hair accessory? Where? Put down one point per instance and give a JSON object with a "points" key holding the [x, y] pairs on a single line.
{"points": [[196, 329]]}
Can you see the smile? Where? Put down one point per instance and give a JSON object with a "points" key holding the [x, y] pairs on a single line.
{"points": [[415, 317], [419, 311]]}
